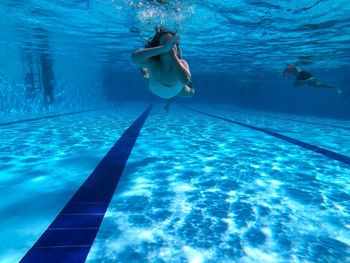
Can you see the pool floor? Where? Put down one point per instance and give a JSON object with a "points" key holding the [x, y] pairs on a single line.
{"points": [[202, 184]]}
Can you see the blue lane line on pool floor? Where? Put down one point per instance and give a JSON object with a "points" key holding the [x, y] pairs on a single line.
{"points": [[299, 121], [55, 116], [333, 155], [287, 119], [72, 233], [306, 122]]}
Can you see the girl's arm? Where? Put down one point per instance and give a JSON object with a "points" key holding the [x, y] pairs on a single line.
{"points": [[183, 71], [142, 57]]}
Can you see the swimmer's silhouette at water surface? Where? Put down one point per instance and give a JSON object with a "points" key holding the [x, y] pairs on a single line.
{"points": [[167, 73]]}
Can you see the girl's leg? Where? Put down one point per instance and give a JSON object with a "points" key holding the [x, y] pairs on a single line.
{"points": [[167, 104], [186, 92], [317, 84]]}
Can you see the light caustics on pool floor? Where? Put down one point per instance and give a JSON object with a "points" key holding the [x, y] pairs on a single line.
{"points": [[195, 189]]}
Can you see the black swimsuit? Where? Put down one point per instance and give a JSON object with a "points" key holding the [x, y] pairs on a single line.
{"points": [[303, 75]]}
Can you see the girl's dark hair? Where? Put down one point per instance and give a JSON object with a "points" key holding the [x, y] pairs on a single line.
{"points": [[154, 41]]}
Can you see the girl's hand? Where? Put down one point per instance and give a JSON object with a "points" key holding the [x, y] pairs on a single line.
{"points": [[174, 52], [171, 43]]}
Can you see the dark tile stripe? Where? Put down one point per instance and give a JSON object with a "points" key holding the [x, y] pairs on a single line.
{"points": [[298, 121], [72, 233], [333, 155], [306, 122], [55, 116]]}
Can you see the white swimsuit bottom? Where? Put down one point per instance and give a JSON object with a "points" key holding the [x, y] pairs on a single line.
{"points": [[165, 92]]}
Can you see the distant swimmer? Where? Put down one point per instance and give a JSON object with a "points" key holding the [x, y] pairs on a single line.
{"points": [[47, 77], [160, 61], [304, 77]]}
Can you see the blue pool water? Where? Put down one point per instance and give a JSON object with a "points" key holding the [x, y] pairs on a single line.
{"points": [[195, 188], [250, 169]]}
